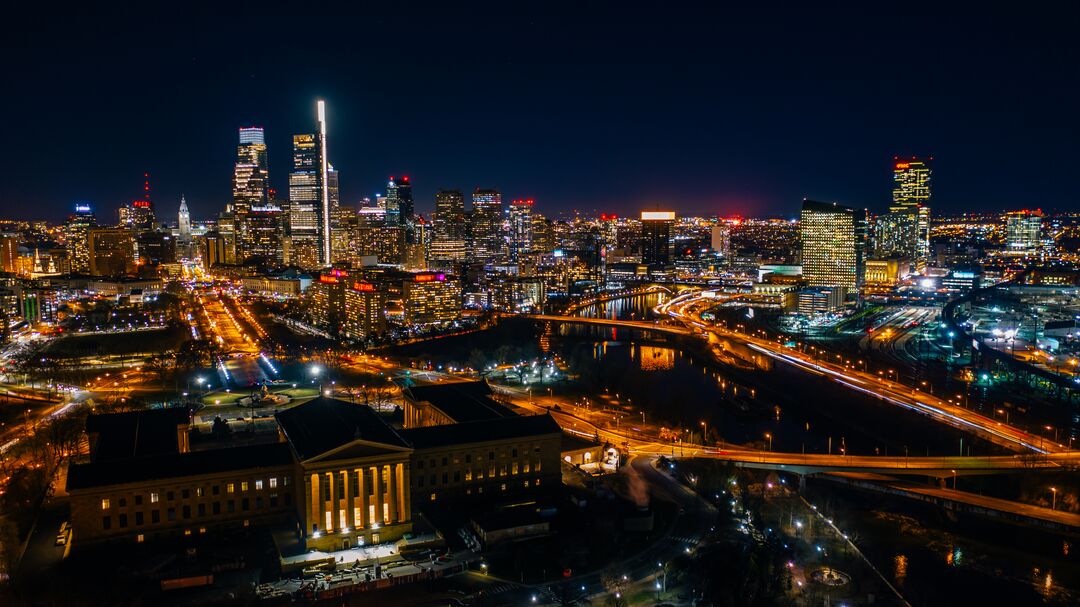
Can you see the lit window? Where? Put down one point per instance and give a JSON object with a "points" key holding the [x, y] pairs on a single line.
{"points": [[105, 504], [258, 485], [187, 531], [155, 497], [244, 486], [273, 482], [503, 486], [230, 488], [139, 538], [433, 497], [202, 530], [198, 492], [329, 521]]}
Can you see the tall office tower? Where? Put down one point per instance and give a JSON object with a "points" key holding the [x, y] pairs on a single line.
{"points": [[325, 234], [264, 232], [141, 217], [656, 236], [77, 234], [910, 210], [184, 221], [911, 185], [418, 252], [251, 181], [399, 202], [833, 245], [111, 251], [226, 228], [304, 200], [487, 222], [310, 230], [449, 220], [449, 231], [519, 221], [1023, 232], [543, 235]]}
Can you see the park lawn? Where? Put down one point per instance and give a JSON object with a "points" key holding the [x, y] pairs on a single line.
{"points": [[142, 342]]}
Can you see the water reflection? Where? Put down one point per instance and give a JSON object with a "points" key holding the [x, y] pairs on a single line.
{"points": [[900, 569], [654, 358]]}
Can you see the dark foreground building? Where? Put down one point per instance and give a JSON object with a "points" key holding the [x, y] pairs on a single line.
{"points": [[338, 472]]}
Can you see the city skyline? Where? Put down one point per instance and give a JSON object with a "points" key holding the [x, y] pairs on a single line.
{"points": [[732, 131]]}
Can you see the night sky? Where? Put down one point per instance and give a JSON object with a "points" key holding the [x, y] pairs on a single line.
{"points": [[611, 111]]}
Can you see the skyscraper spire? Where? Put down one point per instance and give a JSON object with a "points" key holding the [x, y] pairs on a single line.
{"points": [[324, 220]]}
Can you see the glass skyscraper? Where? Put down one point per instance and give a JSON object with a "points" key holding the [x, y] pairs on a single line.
{"points": [[251, 181], [833, 245]]}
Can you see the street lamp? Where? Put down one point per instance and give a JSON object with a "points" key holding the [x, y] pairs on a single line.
{"points": [[1053, 492], [704, 433]]}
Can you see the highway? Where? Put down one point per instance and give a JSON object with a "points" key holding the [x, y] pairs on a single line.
{"points": [[687, 309]]}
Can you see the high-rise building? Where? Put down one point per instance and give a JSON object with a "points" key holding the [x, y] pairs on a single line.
{"points": [[1023, 232], [265, 228], [304, 200], [251, 181], [911, 185], [76, 236], [519, 224], [488, 241], [400, 209], [449, 220], [310, 229], [184, 221], [833, 245], [656, 236], [905, 231], [111, 251], [139, 216], [325, 229]]}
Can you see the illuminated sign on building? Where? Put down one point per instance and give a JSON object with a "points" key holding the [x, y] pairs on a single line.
{"points": [[363, 286], [658, 215], [429, 277]]}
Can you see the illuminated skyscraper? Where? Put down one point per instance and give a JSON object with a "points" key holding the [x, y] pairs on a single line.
{"points": [[76, 237], [656, 236], [325, 236], [1023, 232], [911, 185], [833, 245], [310, 229], [449, 230], [906, 230], [488, 242], [519, 222], [304, 200], [251, 180], [140, 215]]}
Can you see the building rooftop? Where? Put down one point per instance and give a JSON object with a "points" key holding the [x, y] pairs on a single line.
{"points": [[176, 465], [323, 424], [480, 431], [135, 433], [573, 442], [466, 401]]}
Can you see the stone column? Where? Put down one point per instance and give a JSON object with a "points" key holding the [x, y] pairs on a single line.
{"points": [[314, 498], [378, 492], [392, 477], [333, 500]]}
